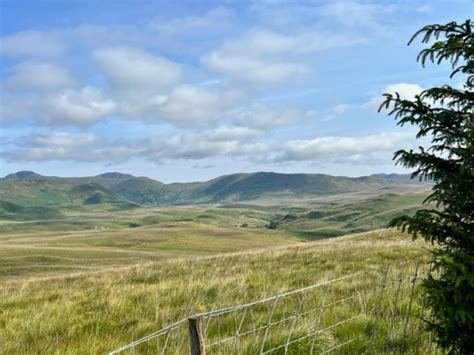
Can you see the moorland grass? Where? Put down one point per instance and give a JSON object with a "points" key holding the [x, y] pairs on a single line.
{"points": [[95, 312]]}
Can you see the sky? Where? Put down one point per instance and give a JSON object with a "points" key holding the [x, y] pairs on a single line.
{"points": [[191, 90]]}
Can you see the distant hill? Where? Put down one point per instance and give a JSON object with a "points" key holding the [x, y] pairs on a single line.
{"points": [[118, 190], [250, 186], [24, 175], [27, 195], [142, 189]]}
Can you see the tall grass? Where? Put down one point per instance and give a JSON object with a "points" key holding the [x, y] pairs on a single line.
{"points": [[97, 312]]}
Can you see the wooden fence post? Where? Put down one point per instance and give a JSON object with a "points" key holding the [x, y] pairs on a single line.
{"points": [[196, 336]]}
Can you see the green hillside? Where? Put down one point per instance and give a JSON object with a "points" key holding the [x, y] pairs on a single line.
{"points": [[242, 187], [250, 186], [142, 190], [335, 219], [110, 305], [28, 190], [45, 198], [36, 192]]}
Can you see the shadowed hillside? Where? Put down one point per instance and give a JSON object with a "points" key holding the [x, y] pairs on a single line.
{"points": [[31, 189]]}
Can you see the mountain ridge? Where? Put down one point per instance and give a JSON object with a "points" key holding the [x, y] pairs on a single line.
{"points": [[31, 175], [27, 188]]}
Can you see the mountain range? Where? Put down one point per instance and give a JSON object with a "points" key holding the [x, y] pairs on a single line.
{"points": [[26, 189]]}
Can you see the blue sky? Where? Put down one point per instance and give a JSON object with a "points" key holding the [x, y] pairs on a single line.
{"points": [[189, 90]]}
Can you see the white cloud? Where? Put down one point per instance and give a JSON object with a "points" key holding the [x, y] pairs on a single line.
{"points": [[216, 17], [185, 105], [32, 44], [192, 147], [222, 141], [253, 69], [341, 108], [60, 145], [334, 112], [370, 158], [72, 107], [269, 58], [355, 13], [192, 104], [324, 147], [406, 91], [195, 145], [231, 142], [39, 76], [338, 13], [261, 117], [234, 133], [54, 146], [132, 69], [256, 58], [76, 107]]}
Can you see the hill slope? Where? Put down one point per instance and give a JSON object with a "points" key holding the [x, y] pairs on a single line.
{"points": [[111, 306], [30, 189], [241, 187]]}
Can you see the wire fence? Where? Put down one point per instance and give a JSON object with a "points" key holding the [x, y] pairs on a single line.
{"points": [[373, 312]]}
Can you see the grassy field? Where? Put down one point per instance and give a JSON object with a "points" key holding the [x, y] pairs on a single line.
{"points": [[101, 241], [96, 312], [97, 240], [93, 280]]}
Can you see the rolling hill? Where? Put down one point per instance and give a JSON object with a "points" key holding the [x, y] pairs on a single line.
{"points": [[28, 189]]}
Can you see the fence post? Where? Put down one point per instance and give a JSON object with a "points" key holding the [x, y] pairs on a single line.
{"points": [[196, 336]]}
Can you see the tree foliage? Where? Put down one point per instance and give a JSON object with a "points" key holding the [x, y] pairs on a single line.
{"points": [[445, 116]]}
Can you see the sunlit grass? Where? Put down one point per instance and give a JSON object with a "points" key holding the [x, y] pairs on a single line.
{"points": [[97, 312]]}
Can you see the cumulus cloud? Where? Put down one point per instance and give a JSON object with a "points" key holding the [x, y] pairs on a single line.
{"points": [[325, 147], [194, 145], [54, 146], [226, 141], [362, 17], [266, 57], [39, 76], [224, 133], [222, 141], [148, 86], [341, 108], [355, 13], [330, 113], [193, 104], [71, 107], [371, 158], [256, 58], [184, 105], [191, 146], [60, 145], [262, 117], [407, 91], [133, 69], [76, 107], [217, 17], [32, 44]]}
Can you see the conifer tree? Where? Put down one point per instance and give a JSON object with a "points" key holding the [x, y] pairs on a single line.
{"points": [[445, 116]]}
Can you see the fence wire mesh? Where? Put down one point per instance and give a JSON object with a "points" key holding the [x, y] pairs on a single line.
{"points": [[373, 312]]}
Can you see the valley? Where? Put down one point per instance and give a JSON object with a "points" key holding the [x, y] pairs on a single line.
{"points": [[54, 229], [122, 267]]}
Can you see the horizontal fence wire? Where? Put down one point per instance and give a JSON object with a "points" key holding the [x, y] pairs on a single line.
{"points": [[371, 311]]}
